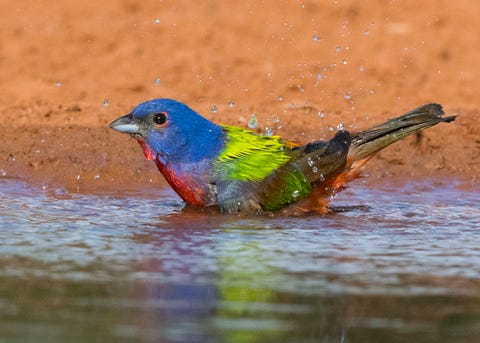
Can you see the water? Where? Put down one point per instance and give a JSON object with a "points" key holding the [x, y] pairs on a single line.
{"points": [[253, 122], [393, 264]]}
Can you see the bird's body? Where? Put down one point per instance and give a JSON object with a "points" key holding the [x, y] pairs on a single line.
{"points": [[238, 170]]}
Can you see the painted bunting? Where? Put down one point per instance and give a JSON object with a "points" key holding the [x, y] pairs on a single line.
{"points": [[238, 170]]}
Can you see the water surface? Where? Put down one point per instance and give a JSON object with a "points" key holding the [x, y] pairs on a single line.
{"points": [[395, 263]]}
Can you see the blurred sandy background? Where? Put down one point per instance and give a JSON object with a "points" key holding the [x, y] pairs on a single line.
{"points": [[71, 67]]}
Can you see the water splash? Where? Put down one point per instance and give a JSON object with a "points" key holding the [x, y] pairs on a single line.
{"points": [[310, 162], [253, 122]]}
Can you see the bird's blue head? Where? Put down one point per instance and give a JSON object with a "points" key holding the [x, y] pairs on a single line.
{"points": [[171, 131]]}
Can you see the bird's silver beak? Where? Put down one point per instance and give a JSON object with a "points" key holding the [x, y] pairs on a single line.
{"points": [[126, 124]]}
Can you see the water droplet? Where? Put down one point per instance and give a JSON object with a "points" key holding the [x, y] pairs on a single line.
{"points": [[253, 122], [322, 178], [366, 32], [321, 114], [340, 127], [77, 177], [296, 193], [310, 162], [316, 38], [157, 81], [231, 104], [58, 84], [330, 128], [300, 88], [105, 103], [372, 91], [338, 48], [315, 169], [214, 109], [361, 68], [276, 120], [96, 177], [268, 131], [344, 61], [280, 98], [319, 77], [347, 96], [156, 21], [4, 173]]}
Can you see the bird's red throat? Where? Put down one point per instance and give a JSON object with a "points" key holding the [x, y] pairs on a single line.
{"points": [[184, 187], [149, 153]]}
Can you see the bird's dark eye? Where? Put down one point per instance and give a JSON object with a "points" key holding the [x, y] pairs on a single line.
{"points": [[160, 119]]}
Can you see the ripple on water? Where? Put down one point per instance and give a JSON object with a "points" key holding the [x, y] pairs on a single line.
{"points": [[142, 254]]}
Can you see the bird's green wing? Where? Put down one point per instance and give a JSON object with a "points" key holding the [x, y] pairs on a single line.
{"points": [[255, 171], [248, 156]]}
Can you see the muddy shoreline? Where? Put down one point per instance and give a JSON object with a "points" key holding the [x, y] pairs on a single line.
{"points": [[358, 64]]}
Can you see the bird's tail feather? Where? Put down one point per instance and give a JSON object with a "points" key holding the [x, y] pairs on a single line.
{"points": [[323, 158], [366, 143]]}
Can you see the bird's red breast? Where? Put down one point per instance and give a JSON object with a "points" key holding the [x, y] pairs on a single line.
{"points": [[182, 184]]}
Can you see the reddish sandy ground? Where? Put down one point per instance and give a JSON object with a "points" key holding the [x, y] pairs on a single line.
{"points": [[358, 62]]}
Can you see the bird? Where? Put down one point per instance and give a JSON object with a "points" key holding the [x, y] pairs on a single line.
{"points": [[238, 171]]}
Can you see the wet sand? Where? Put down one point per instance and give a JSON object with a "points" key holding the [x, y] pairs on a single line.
{"points": [[358, 63]]}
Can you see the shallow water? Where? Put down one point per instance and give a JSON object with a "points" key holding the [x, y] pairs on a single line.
{"points": [[395, 263]]}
